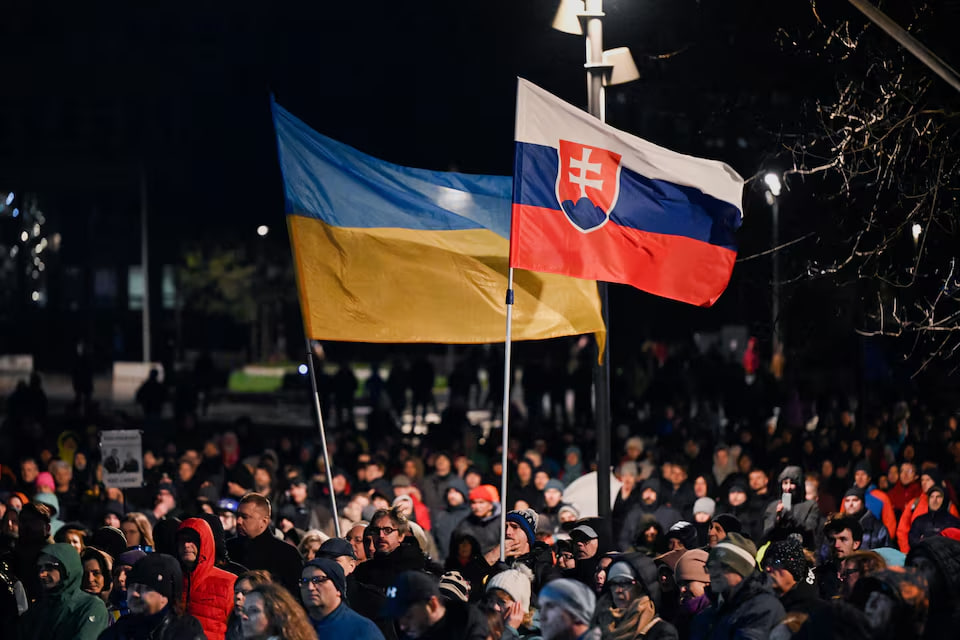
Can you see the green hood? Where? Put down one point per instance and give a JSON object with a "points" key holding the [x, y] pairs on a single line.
{"points": [[72, 573]]}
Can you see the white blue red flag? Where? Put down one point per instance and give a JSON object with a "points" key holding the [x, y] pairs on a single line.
{"points": [[593, 202]]}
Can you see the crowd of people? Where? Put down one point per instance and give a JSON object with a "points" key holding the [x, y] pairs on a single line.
{"points": [[807, 523]]}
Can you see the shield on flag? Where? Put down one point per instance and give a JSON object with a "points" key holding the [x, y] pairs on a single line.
{"points": [[588, 184]]}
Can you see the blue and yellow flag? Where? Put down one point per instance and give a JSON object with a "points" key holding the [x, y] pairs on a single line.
{"points": [[386, 253]]}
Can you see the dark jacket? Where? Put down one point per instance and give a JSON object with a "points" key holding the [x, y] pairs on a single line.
{"points": [[944, 614], [475, 570], [163, 625], [207, 590], [932, 523], [345, 623], [875, 534], [750, 613], [462, 621], [666, 517], [805, 514], [374, 576], [267, 552], [65, 612], [448, 519], [485, 530], [540, 562]]}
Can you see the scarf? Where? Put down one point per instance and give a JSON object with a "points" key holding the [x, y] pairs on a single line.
{"points": [[633, 621]]}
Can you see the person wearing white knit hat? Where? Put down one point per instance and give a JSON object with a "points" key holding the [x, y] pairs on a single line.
{"points": [[512, 587]]}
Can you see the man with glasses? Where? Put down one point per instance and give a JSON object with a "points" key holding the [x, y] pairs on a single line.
{"points": [[395, 550], [63, 612], [322, 587], [255, 546]]}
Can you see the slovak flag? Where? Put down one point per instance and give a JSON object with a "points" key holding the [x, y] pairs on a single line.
{"points": [[593, 202]]}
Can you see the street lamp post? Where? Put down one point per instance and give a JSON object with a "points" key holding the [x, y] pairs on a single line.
{"points": [[773, 199]]}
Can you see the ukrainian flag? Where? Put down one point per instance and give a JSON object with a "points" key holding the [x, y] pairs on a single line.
{"points": [[386, 253]]}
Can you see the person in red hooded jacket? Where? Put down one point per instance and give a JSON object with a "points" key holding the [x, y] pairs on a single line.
{"points": [[208, 591]]}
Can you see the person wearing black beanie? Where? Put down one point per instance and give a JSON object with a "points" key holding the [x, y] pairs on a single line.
{"points": [[875, 535], [155, 585]]}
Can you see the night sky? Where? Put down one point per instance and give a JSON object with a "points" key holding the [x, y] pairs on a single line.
{"points": [[91, 93]]}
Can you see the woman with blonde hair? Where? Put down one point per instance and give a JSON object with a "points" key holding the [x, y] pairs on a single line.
{"points": [[311, 543], [269, 611], [138, 531]]}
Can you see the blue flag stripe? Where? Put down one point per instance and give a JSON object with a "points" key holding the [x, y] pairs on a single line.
{"points": [[656, 206]]}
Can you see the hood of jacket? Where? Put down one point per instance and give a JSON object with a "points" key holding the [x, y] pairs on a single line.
{"points": [[644, 569], [494, 515], [206, 554], [71, 573]]}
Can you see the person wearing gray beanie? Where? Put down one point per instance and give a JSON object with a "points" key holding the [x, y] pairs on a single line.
{"points": [[635, 595], [745, 605], [566, 608]]}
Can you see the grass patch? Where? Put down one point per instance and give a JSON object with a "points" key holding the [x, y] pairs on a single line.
{"points": [[241, 382]]}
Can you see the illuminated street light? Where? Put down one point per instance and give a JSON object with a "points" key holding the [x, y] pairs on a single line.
{"points": [[263, 230]]}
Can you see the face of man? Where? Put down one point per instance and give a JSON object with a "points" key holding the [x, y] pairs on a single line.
{"points": [[442, 465], [50, 571], [355, 538], [879, 610], [29, 470], [252, 520], [908, 473], [419, 617], [781, 580], [852, 505], [318, 593], [229, 521], [716, 534], [187, 551], [566, 560], [925, 482], [788, 485], [844, 544], [93, 580], [386, 536], [454, 498], [720, 578], [481, 508], [143, 600], [587, 548], [935, 501], [552, 497], [524, 473], [517, 539], [758, 480], [298, 493], [540, 480], [736, 498], [555, 622], [861, 479], [649, 496]]}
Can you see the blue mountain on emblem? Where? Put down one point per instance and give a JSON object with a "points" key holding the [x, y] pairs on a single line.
{"points": [[584, 215]]}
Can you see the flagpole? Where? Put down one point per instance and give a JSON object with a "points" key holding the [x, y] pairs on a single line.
{"points": [[311, 371], [596, 69], [507, 351]]}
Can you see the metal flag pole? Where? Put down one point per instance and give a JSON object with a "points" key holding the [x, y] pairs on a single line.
{"points": [[596, 70], [316, 394], [507, 350]]}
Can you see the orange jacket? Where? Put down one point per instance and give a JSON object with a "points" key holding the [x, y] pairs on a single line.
{"points": [[208, 591], [915, 508]]}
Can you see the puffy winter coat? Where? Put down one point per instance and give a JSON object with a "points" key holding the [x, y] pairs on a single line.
{"points": [[208, 591], [916, 508], [64, 612]]}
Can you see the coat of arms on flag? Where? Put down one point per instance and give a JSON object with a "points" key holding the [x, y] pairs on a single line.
{"points": [[588, 183]]}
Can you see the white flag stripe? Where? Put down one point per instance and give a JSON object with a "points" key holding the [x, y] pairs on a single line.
{"points": [[540, 115]]}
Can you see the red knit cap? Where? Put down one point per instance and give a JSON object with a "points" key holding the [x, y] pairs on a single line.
{"points": [[486, 492]]}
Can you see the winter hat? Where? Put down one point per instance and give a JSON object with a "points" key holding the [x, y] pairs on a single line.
{"points": [[526, 519], [650, 483], [515, 584], [572, 596], [933, 473], [110, 540], [737, 487], [486, 492], [402, 498], [737, 553], [864, 466], [569, 508], [685, 532], [729, 523], [130, 558], [45, 480], [553, 484], [620, 570], [787, 554], [159, 572], [893, 557], [333, 570], [455, 586], [855, 491], [705, 505], [692, 566], [936, 489]]}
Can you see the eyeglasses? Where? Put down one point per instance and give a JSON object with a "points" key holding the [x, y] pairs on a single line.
{"points": [[381, 531], [53, 566], [316, 580], [622, 584]]}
